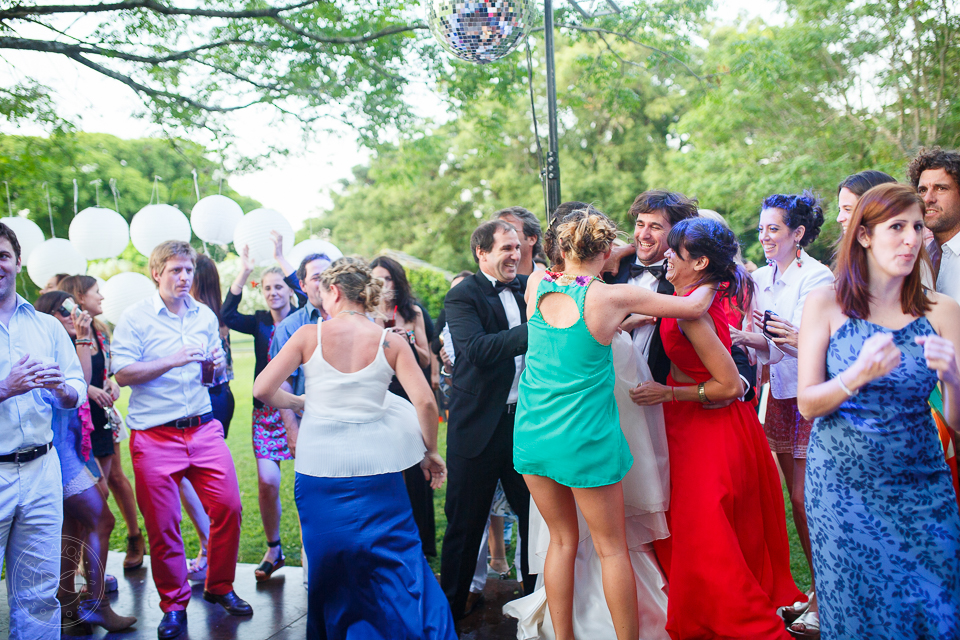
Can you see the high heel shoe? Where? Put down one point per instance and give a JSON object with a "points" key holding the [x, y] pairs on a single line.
{"points": [[503, 575], [99, 613]]}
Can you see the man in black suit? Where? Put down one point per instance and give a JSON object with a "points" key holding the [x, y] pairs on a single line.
{"points": [[487, 319], [655, 213]]}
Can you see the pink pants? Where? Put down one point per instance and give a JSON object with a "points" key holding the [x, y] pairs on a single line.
{"points": [[162, 456]]}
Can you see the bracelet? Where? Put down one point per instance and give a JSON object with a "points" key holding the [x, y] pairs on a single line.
{"points": [[673, 393], [846, 389], [702, 393]]}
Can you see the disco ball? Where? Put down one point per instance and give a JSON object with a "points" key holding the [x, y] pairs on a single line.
{"points": [[480, 30]]}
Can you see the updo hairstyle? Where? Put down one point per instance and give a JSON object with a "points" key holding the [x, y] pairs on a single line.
{"points": [[355, 280], [551, 246], [799, 210], [705, 238], [585, 233]]}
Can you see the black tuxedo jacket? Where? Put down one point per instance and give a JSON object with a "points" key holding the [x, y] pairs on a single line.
{"points": [[656, 358], [485, 347]]}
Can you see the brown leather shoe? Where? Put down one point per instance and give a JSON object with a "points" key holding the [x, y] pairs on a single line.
{"points": [[100, 613], [474, 602], [135, 551]]}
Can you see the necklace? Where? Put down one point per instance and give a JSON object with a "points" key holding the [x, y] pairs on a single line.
{"points": [[351, 312]]}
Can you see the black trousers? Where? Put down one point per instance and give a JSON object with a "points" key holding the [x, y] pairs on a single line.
{"points": [[471, 483]]}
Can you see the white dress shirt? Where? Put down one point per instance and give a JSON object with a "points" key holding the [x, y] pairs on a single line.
{"points": [[785, 294], [148, 331], [643, 335], [948, 279], [25, 419], [512, 309]]}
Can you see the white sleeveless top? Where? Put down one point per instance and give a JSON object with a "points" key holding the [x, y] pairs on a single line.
{"points": [[352, 426]]}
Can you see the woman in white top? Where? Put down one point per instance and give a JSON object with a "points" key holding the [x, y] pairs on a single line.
{"points": [[367, 573], [788, 223]]}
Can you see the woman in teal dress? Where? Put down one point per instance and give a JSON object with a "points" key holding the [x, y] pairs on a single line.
{"points": [[567, 442], [884, 525]]}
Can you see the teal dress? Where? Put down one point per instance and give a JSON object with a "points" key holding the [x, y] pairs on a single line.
{"points": [[567, 426]]}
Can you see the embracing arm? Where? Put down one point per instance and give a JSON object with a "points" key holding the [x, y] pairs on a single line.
{"points": [[266, 388], [632, 299], [470, 338]]}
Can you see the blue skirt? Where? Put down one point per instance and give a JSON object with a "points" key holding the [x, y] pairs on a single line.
{"points": [[368, 577]]}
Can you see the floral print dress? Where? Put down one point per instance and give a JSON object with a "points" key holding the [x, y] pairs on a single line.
{"points": [[883, 516]]}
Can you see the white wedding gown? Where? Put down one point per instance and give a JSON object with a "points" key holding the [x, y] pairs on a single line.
{"points": [[646, 496]]}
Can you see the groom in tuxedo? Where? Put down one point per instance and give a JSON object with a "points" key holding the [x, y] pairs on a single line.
{"points": [[487, 318], [655, 213]]}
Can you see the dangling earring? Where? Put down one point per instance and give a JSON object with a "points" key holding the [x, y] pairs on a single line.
{"points": [[799, 261]]}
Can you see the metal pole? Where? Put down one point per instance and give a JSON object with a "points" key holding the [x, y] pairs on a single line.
{"points": [[553, 150]]}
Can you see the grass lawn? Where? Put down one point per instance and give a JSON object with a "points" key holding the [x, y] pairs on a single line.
{"points": [[252, 541]]}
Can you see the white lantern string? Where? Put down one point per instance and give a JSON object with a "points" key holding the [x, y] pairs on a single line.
{"points": [[76, 196], [9, 206], [156, 189], [96, 185], [46, 189], [116, 193], [196, 186]]}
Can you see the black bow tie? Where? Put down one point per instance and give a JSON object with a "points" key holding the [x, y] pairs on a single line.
{"points": [[658, 270], [513, 284]]}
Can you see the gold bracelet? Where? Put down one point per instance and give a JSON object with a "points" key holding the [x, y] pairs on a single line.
{"points": [[702, 393]]}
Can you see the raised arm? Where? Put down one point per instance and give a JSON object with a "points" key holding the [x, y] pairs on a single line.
{"points": [[266, 388], [632, 299]]}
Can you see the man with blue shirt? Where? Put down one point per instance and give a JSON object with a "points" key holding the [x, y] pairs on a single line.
{"points": [[158, 347], [39, 370]]}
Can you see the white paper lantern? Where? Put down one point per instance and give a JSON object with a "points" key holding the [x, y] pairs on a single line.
{"points": [[254, 232], [157, 223], [314, 245], [123, 290], [215, 218], [99, 233], [52, 257], [29, 235]]}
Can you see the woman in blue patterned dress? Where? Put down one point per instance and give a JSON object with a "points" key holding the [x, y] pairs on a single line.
{"points": [[884, 523]]}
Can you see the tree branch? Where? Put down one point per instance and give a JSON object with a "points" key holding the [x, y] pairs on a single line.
{"points": [[150, 5], [53, 46], [389, 31]]}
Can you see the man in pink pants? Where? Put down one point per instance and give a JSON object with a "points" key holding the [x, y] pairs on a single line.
{"points": [[158, 347]]}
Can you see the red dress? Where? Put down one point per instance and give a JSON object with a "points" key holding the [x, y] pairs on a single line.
{"points": [[728, 559]]}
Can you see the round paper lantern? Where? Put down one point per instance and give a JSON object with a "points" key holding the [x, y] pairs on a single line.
{"points": [[157, 223], [99, 233], [29, 235], [254, 232], [480, 30], [123, 290], [315, 245], [52, 257], [215, 218]]}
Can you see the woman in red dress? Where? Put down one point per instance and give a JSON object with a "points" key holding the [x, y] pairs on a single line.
{"points": [[728, 559]]}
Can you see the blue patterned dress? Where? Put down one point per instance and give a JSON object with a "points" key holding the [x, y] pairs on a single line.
{"points": [[883, 515]]}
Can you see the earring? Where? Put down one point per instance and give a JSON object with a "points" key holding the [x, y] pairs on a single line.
{"points": [[799, 261]]}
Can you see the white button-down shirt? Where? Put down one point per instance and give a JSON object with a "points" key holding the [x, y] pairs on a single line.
{"points": [[512, 309], [148, 331], [785, 294], [643, 335], [948, 279], [25, 419]]}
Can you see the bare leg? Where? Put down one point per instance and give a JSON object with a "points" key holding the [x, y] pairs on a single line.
{"points": [[70, 554], [800, 519], [559, 511], [786, 466], [268, 472], [199, 517], [498, 549], [122, 491], [89, 509], [602, 508]]}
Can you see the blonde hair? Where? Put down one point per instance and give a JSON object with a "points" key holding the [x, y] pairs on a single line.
{"points": [[167, 250], [355, 280], [585, 234]]}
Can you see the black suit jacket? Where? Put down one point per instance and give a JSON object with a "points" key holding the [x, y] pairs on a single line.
{"points": [[483, 370], [656, 358]]}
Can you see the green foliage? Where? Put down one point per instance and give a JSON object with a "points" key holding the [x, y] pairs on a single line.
{"points": [[429, 286]]}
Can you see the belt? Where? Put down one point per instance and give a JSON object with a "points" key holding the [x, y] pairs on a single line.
{"points": [[26, 455], [190, 422], [510, 409]]}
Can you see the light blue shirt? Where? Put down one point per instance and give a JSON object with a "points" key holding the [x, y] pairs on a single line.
{"points": [[148, 331], [307, 314], [25, 420]]}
